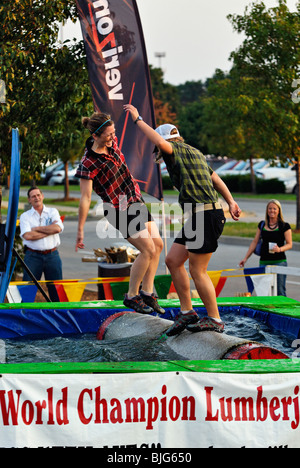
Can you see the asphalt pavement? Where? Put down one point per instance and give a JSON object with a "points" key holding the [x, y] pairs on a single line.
{"points": [[231, 250]]}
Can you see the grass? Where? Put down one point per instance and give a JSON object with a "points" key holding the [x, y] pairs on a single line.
{"points": [[266, 196], [60, 204], [62, 212], [240, 229], [56, 201], [248, 230]]}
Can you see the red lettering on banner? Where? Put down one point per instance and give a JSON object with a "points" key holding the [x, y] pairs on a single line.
{"points": [[40, 405], [100, 403], [261, 406], [93, 408], [209, 416], [80, 406], [11, 409], [111, 38], [62, 409], [153, 411], [164, 416], [274, 406], [251, 410], [226, 410], [50, 407], [295, 424], [137, 410], [27, 412], [244, 409], [116, 413], [14, 411]]}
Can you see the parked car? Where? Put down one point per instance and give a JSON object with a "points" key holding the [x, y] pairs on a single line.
{"points": [[242, 167], [58, 176], [291, 186], [47, 174], [226, 168], [258, 164], [285, 174], [261, 164]]}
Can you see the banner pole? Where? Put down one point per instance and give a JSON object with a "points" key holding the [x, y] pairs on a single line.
{"points": [[119, 74], [164, 231]]}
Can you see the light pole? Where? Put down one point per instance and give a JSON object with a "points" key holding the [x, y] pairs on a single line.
{"points": [[160, 56]]}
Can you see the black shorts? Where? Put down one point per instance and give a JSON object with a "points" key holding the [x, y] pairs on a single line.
{"points": [[129, 222], [201, 231]]}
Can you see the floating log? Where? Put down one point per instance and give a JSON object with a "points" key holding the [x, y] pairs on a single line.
{"points": [[203, 346]]}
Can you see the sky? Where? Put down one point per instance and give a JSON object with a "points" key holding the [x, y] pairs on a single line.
{"points": [[195, 35]]}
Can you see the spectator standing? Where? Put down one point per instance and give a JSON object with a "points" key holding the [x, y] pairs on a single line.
{"points": [[275, 236], [40, 228]]}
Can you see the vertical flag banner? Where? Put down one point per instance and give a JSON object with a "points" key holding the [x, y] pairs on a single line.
{"points": [[119, 74]]}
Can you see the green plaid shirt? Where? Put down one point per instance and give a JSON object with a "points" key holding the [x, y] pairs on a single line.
{"points": [[191, 174]]}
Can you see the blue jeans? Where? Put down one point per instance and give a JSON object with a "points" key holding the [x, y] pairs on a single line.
{"points": [[281, 280], [50, 265]]}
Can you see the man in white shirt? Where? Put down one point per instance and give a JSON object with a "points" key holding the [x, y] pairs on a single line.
{"points": [[40, 229]]}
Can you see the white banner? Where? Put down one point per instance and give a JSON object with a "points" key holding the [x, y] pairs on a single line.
{"points": [[167, 410]]}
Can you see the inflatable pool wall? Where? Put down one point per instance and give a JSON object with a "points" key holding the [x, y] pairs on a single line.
{"points": [[65, 319]]}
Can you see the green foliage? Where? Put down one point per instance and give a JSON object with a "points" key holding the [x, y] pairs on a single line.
{"points": [[46, 82], [269, 59], [167, 183], [243, 184]]}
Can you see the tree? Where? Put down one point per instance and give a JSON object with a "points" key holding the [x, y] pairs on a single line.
{"points": [[46, 82], [180, 105], [165, 97], [190, 115], [236, 115], [250, 112], [270, 58]]}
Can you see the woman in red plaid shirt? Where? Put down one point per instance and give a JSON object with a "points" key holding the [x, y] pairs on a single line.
{"points": [[104, 170]]}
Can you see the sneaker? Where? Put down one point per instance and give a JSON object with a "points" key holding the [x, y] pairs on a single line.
{"points": [[206, 324], [181, 322], [136, 303], [151, 301]]}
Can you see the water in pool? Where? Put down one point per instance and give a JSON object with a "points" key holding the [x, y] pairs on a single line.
{"points": [[87, 348]]}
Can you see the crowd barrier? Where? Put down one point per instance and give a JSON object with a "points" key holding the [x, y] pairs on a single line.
{"points": [[262, 280]]}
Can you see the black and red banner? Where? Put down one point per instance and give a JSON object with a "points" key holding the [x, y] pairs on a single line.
{"points": [[119, 74]]}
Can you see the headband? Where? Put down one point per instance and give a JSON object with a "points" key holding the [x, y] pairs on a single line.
{"points": [[102, 126]]}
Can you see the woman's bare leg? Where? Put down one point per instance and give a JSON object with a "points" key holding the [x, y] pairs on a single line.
{"points": [[175, 261], [148, 280], [198, 269], [143, 270]]}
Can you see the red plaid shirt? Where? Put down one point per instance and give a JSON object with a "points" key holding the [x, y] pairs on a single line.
{"points": [[112, 180]]}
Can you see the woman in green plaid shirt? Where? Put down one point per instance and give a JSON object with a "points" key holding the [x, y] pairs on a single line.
{"points": [[198, 187]]}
